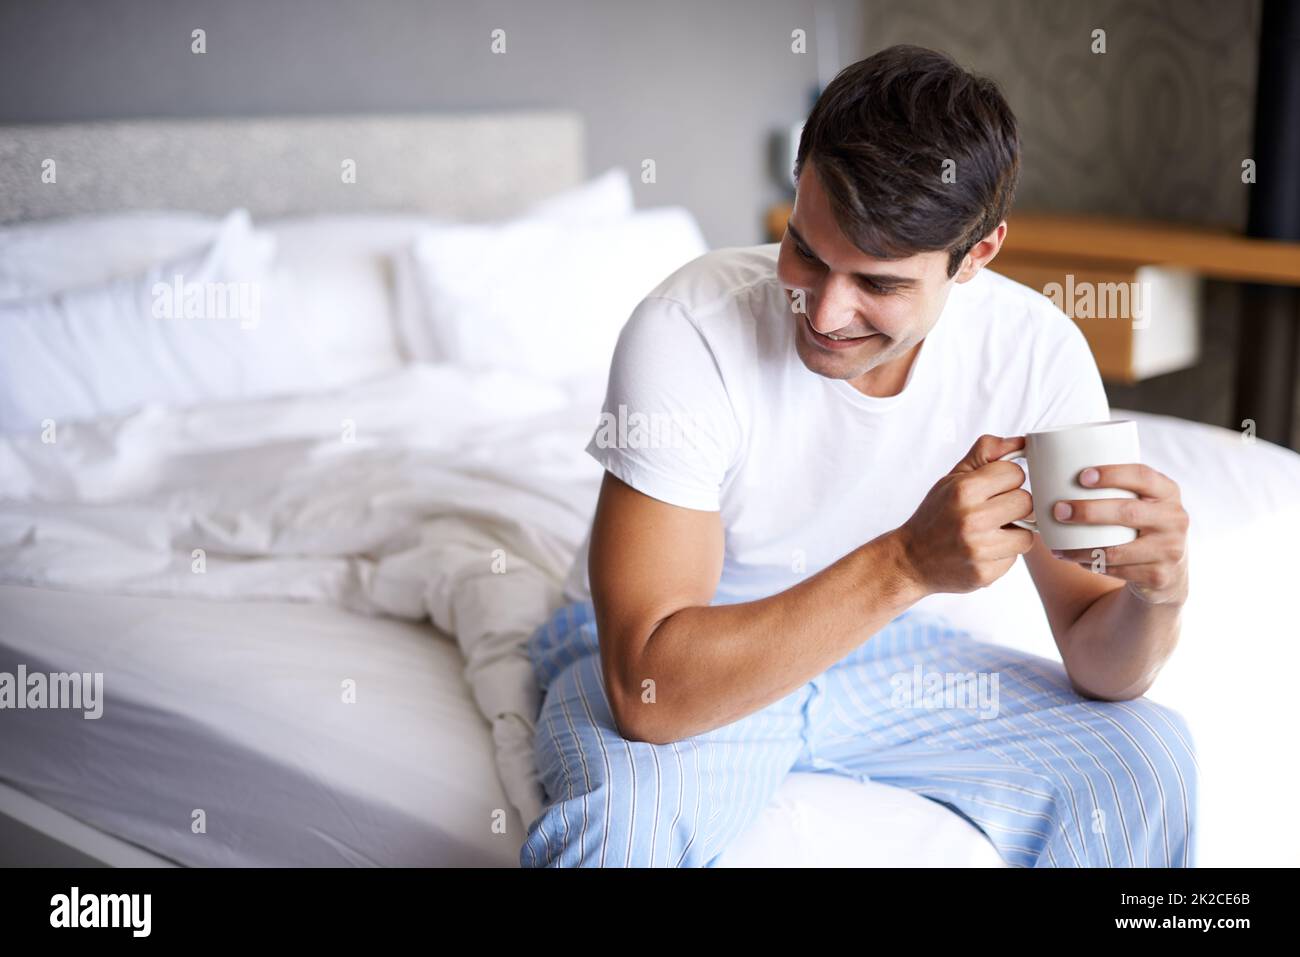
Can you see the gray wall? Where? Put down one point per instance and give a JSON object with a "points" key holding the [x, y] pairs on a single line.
{"points": [[698, 87]]}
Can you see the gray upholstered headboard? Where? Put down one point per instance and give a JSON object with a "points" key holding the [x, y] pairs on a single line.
{"points": [[466, 166]]}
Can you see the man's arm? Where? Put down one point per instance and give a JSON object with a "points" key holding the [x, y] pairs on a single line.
{"points": [[654, 569], [1114, 638]]}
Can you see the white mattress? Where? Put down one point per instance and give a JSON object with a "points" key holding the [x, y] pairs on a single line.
{"points": [[237, 710]]}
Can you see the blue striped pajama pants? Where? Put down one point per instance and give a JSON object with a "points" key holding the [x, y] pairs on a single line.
{"points": [[1051, 778]]}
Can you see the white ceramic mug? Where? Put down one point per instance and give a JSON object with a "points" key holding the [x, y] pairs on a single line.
{"points": [[1056, 457]]}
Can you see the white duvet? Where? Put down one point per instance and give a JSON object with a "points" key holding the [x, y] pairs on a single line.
{"points": [[434, 492]]}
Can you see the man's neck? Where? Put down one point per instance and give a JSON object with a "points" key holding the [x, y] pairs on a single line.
{"points": [[887, 380]]}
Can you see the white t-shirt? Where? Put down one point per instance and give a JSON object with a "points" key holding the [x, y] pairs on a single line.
{"points": [[709, 407]]}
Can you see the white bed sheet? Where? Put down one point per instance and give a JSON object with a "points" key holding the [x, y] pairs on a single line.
{"points": [[238, 710], [429, 494]]}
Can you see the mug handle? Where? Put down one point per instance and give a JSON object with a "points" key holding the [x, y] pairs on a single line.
{"points": [[1026, 523]]}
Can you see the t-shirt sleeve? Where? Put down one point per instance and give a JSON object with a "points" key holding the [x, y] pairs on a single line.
{"points": [[667, 427], [1069, 386]]}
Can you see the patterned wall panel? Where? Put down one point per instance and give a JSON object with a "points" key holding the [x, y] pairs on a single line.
{"points": [[1157, 126]]}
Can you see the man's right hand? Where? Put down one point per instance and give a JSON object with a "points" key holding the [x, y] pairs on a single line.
{"points": [[955, 541]]}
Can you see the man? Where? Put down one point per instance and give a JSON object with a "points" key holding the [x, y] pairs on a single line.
{"points": [[759, 574]]}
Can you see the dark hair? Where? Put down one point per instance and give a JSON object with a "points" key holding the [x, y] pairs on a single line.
{"points": [[880, 133]]}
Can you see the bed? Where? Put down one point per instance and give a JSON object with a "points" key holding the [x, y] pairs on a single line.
{"points": [[308, 606]]}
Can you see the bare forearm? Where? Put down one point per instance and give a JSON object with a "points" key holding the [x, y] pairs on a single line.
{"points": [[712, 665], [1119, 643]]}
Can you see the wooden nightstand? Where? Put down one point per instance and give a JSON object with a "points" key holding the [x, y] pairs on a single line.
{"points": [[775, 221]]}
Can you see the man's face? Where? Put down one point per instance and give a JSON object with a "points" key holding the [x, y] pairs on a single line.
{"points": [[882, 307]]}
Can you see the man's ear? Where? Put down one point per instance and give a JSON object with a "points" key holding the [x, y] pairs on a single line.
{"points": [[982, 253]]}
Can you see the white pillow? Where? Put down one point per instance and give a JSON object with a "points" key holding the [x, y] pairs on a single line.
{"points": [[59, 254], [335, 275], [55, 255], [607, 196], [117, 345], [539, 297], [333, 278]]}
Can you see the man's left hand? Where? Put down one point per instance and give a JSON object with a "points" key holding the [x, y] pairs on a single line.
{"points": [[1155, 563]]}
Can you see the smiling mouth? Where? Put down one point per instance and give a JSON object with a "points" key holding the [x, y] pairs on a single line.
{"points": [[836, 341]]}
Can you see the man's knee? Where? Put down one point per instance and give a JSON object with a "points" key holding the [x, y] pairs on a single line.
{"points": [[572, 832], [640, 808], [614, 802], [1157, 761], [1165, 740], [1181, 774]]}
